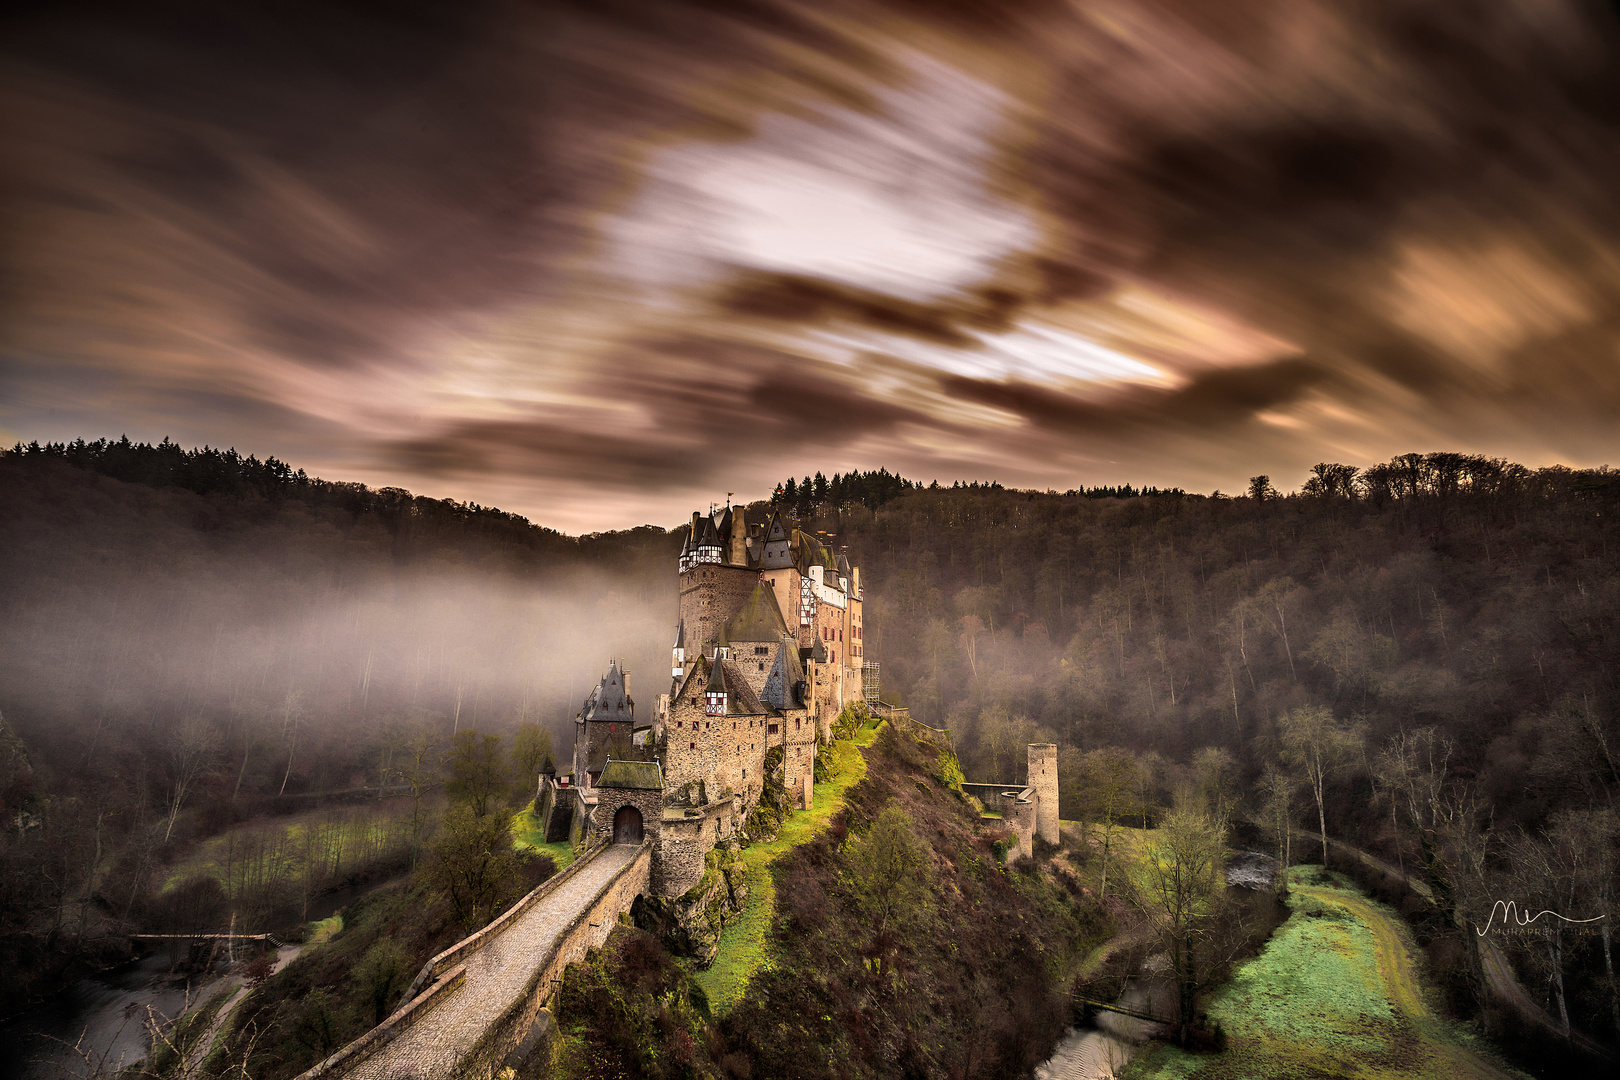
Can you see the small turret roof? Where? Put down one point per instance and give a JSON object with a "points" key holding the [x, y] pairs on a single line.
{"points": [[707, 535], [696, 676]]}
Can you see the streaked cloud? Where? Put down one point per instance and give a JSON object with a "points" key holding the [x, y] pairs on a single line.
{"points": [[598, 263]]}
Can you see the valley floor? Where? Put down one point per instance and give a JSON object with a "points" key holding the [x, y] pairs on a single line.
{"points": [[1338, 991]]}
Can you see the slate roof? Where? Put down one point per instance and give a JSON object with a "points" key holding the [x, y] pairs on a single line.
{"points": [[636, 775], [726, 678], [707, 536], [741, 699], [759, 619], [609, 700], [696, 676], [787, 673]]}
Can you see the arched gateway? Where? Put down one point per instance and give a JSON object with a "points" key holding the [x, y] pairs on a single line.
{"points": [[627, 825]]}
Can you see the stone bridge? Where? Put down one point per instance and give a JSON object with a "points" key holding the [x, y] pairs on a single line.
{"points": [[476, 1006]]}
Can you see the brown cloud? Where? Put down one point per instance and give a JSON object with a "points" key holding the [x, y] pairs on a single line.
{"points": [[397, 242]]}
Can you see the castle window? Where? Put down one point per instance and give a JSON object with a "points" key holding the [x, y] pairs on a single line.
{"points": [[691, 746], [771, 729]]}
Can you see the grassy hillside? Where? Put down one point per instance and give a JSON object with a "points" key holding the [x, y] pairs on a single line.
{"points": [[944, 964], [743, 944]]}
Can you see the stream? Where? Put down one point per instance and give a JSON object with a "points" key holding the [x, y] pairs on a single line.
{"points": [[1101, 1049]]}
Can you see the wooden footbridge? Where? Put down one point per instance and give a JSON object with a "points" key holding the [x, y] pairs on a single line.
{"points": [[1122, 1010]]}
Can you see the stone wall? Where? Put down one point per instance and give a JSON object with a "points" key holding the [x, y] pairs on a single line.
{"points": [[588, 930], [711, 594], [608, 801], [1018, 814], [723, 751], [785, 582], [754, 664], [683, 841]]}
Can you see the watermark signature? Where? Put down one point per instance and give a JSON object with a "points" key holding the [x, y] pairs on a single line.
{"points": [[1510, 911]]}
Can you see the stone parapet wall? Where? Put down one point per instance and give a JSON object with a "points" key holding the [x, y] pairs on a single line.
{"points": [[586, 931], [415, 1007], [682, 844], [459, 952]]}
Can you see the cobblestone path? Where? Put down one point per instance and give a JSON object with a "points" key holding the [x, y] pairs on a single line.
{"points": [[496, 976]]}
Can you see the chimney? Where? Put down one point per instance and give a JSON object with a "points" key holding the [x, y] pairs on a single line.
{"points": [[739, 538]]}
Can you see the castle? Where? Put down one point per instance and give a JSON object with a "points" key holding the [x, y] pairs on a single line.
{"points": [[769, 648]]}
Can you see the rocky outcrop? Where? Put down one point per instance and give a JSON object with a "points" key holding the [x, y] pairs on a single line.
{"points": [[690, 924]]}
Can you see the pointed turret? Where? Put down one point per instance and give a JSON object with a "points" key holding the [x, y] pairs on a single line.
{"points": [[715, 691], [678, 653]]}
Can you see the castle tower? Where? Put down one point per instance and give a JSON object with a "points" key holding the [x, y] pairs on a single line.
{"points": [[1044, 779]]}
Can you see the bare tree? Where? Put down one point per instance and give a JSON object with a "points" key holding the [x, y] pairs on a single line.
{"points": [[972, 627], [1110, 777], [1277, 789], [1215, 778], [1318, 744], [192, 750], [1413, 769], [418, 767]]}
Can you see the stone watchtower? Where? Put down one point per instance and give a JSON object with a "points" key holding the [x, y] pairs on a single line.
{"points": [[1043, 777]]}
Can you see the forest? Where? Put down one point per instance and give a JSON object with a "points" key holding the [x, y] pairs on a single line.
{"points": [[211, 661], [1418, 655]]}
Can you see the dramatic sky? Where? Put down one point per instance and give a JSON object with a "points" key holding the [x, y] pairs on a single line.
{"points": [[603, 262]]}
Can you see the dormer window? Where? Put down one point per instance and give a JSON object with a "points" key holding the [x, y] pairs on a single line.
{"points": [[716, 704]]}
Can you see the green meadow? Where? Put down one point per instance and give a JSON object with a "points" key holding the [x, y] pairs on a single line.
{"points": [[1337, 991], [301, 853], [526, 834]]}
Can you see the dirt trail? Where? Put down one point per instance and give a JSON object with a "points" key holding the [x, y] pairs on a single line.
{"points": [[1402, 986], [1498, 972]]}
